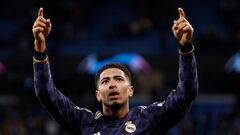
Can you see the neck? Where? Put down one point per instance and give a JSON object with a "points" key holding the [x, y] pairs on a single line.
{"points": [[116, 111]]}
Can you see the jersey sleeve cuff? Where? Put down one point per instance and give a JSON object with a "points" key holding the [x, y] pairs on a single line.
{"points": [[187, 49], [40, 57]]}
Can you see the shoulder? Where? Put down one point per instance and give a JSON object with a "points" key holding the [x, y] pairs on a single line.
{"points": [[98, 115], [157, 104], [149, 108]]}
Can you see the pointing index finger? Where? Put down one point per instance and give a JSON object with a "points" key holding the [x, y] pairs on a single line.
{"points": [[181, 12], [40, 12]]}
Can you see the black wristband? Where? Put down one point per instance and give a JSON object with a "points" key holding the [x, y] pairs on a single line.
{"points": [[40, 56], [186, 48]]}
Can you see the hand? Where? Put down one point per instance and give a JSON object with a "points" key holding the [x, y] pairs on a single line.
{"points": [[41, 29], [182, 29]]}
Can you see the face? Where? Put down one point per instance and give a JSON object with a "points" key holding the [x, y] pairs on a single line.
{"points": [[113, 87]]}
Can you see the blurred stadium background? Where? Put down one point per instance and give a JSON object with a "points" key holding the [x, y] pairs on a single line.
{"points": [[87, 33]]}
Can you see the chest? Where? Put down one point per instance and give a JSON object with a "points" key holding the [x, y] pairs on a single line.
{"points": [[125, 127]]}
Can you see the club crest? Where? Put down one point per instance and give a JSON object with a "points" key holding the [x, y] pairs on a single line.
{"points": [[130, 127]]}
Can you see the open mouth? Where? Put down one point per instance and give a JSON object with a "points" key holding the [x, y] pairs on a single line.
{"points": [[113, 94]]}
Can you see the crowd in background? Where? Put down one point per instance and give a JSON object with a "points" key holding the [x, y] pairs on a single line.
{"points": [[73, 20]]}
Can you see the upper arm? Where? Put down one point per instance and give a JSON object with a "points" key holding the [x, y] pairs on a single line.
{"points": [[162, 116], [178, 102], [61, 108]]}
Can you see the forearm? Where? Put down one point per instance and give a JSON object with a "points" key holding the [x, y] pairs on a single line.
{"points": [[178, 101], [187, 87]]}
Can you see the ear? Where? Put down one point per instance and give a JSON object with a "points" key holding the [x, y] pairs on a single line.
{"points": [[130, 91], [98, 96]]}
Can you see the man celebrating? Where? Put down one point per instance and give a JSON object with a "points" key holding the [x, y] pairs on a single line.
{"points": [[113, 89]]}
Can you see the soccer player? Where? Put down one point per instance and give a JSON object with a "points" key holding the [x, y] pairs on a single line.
{"points": [[113, 89]]}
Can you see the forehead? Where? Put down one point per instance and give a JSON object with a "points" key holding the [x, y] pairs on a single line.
{"points": [[110, 72]]}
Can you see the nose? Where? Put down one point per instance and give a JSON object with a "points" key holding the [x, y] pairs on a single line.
{"points": [[112, 85]]}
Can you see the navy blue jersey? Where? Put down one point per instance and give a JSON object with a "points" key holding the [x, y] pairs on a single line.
{"points": [[154, 119]]}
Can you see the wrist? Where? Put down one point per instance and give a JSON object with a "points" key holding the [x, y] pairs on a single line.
{"points": [[186, 49], [40, 57], [185, 43], [39, 46]]}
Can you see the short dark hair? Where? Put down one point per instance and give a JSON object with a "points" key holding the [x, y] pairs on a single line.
{"points": [[113, 65]]}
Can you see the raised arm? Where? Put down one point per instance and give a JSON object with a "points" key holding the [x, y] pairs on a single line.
{"points": [[166, 114], [59, 106], [179, 101], [187, 87]]}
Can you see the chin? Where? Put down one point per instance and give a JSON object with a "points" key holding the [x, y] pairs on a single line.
{"points": [[115, 105]]}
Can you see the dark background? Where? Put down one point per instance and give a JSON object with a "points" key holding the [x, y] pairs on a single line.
{"points": [[105, 28]]}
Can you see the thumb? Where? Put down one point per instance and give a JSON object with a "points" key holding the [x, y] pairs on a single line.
{"points": [[181, 12], [40, 12]]}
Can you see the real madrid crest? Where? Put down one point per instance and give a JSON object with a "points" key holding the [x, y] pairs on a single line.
{"points": [[130, 127]]}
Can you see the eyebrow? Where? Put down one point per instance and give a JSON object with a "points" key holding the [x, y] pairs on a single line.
{"points": [[118, 76], [107, 78]]}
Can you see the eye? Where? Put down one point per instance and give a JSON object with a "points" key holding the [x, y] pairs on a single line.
{"points": [[119, 79], [104, 82]]}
